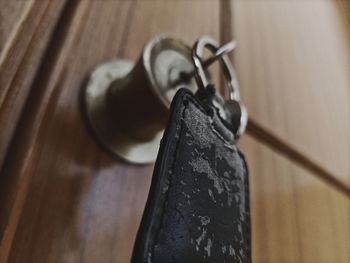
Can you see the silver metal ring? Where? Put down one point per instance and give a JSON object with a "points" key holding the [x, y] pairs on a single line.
{"points": [[229, 73]]}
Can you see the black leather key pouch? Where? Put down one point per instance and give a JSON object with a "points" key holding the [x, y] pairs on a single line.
{"points": [[198, 205]]}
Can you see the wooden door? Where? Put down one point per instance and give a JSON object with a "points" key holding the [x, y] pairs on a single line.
{"points": [[65, 199]]}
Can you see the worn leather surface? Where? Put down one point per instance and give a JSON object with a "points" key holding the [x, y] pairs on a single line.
{"points": [[198, 205]]}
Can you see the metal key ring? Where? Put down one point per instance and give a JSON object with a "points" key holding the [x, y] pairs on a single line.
{"points": [[229, 73]]}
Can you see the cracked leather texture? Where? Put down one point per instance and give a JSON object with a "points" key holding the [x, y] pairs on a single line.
{"points": [[198, 206]]}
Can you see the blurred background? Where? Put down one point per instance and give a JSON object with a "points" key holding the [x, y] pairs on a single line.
{"points": [[64, 199]]}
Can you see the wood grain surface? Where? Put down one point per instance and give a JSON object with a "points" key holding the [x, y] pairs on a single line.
{"points": [[295, 217], [345, 9], [11, 16], [64, 199], [28, 26], [293, 63]]}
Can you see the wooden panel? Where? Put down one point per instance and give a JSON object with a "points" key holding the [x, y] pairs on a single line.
{"points": [[26, 27], [293, 63], [295, 217], [62, 198], [11, 16], [345, 4]]}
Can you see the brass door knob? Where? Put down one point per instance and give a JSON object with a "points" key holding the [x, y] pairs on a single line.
{"points": [[127, 104]]}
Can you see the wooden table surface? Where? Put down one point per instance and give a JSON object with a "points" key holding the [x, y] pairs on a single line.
{"points": [[64, 199]]}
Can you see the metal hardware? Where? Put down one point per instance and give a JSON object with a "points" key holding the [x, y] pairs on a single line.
{"points": [[236, 107], [230, 46], [127, 104]]}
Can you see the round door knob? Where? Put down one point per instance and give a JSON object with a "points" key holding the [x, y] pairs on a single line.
{"points": [[127, 104]]}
